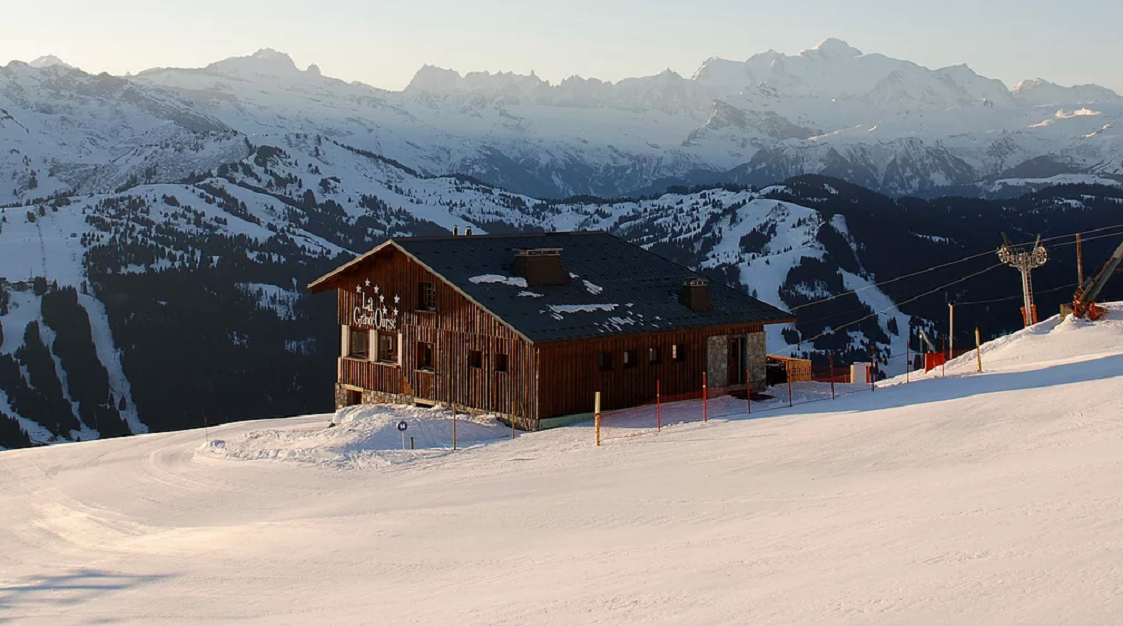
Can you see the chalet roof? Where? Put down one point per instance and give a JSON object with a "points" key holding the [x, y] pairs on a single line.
{"points": [[615, 287]]}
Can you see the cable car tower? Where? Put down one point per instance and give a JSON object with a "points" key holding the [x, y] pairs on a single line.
{"points": [[1024, 262]]}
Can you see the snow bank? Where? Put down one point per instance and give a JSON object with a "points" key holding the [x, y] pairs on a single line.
{"points": [[361, 437]]}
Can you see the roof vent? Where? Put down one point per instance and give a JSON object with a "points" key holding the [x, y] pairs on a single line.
{"points": [[695, 295], [540, 266]]}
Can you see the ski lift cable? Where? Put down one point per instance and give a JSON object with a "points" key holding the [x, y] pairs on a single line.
{"points": [[1019, 296], [900, 304], [963, 260]]}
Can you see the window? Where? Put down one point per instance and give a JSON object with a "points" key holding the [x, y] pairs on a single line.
{"points": [[424, 356], [605, 361], [678, 353], [426, 297], [629, 358], [358, 344], [500, 362], [388, 347], [654, 356], [475, 359]]}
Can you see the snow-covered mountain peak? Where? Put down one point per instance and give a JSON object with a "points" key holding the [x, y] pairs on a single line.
{"points": [[1042, 92], [433, 79], [833, 49], [264, 62], [50, 60]]}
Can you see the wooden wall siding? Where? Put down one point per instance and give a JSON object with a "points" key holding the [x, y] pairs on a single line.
{"points": [[372, 375], [571, 375], [457, 327]]}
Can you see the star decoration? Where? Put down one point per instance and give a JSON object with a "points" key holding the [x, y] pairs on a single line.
{"points": [[397, 299], [376, 289], [382, 298], [368, 282], [395, 311], [358, 288]]}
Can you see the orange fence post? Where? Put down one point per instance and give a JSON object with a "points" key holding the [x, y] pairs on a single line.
{"points": [[705, 407], [978, 350], [596, 409], [908, 354], [830, 359], [944, 361], [658, 408]]}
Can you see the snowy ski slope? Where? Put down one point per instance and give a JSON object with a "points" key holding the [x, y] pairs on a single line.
{"points": [[989, 498]]}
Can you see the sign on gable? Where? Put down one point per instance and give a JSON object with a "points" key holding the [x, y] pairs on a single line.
{"points": [[372, 310]]}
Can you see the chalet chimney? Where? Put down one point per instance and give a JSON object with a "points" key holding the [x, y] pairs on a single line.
{"points": [[695, 295], [540, 266], [455, 231]]}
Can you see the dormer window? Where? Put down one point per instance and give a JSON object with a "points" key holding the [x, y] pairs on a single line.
{"points": [[540, 266]]}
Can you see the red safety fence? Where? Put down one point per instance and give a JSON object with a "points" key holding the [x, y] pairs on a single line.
{"points": [[732, 403]]}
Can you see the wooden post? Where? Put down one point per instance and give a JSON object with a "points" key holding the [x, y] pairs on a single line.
{"points": [[411, 444], [944, 361], [978, 349], [788, 369], [1080, 260], [908, 353], [453, 426], [748, 389], [596, 409], [705, 407], [658, 408], [830, 359], [951, 330]]}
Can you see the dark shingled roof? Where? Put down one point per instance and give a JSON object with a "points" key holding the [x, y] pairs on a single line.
{"points": [[636, 290]]}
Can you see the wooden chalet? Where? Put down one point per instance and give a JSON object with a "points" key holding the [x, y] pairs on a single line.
{"points": [[530, 326]]}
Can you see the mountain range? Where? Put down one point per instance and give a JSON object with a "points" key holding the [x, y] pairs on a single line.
{"points": [[156, 230], [888, 124]]}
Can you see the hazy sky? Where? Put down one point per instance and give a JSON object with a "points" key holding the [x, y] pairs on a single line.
{"points": [[384, 43]]}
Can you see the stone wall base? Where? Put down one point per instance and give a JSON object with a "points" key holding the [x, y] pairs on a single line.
{"points": [[345, 396]]}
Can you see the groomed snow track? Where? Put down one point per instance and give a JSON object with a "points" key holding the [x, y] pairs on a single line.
{"points": [[974, 499]]}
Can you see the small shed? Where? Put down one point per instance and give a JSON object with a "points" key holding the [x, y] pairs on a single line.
{"points": [[797, 370]]}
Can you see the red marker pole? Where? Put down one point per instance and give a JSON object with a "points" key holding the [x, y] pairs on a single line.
{"points": [[705, 407], [830, 359], [871, 369], [788, 369], [658, 408]]}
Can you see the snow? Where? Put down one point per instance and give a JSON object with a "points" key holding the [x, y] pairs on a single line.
{"points": [[513, 281], [632, 133], [993, 498], [593, 289], [582, 308], [362, 438]]}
